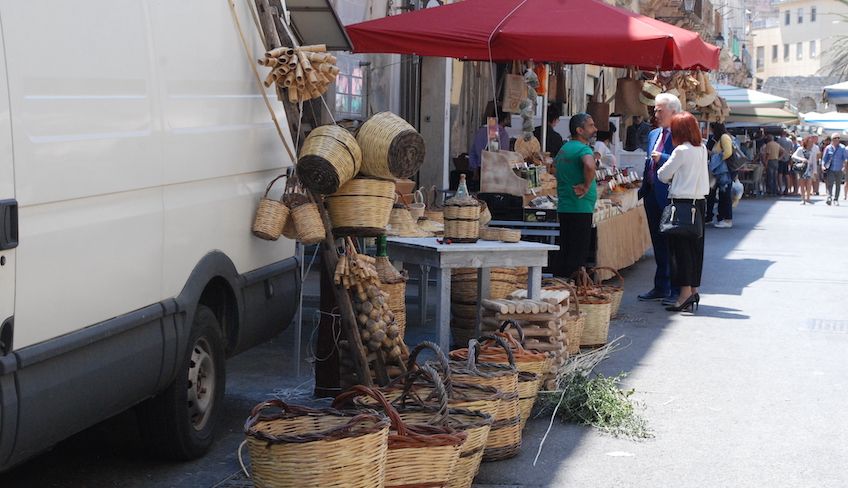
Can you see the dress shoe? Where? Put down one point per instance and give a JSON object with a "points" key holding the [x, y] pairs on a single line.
{"points": [[690, 305], [652, 296]]}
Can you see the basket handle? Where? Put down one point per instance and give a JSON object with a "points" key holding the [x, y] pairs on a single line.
{"points": [[400, 198], [411, 363], [259, 413], [418, 196], [499, 342], [439, 392], [507, 324], [615, 272], [268, 188], [391, 412], [573, 296]]}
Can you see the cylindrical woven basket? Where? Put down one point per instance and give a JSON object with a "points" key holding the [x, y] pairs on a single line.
{"points": [[528, 389], [308, 223], [304, 447], [390, 147], [505, 436], [597, 307], [271, 216], [574, 322], [616, 292], [463, 212], [419, 455], [361, 207], [490, 233], [462, 231], [462, 219], [509, 235], [329, 158], [417, 208]]}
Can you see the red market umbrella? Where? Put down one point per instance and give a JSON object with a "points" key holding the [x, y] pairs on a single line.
{"points": [[567, 31]]}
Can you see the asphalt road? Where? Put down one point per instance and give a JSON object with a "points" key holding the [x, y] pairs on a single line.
{"points": [[751, 391]]}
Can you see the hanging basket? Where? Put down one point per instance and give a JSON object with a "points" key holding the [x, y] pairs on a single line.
{"points": [[308, 224], [329, 158], [271, 216], [419, 454], [391, 148], [616, 292], [309, 448], [361, 207]]}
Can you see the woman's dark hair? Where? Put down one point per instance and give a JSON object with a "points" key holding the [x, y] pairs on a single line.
{"points": [[718, 129], [577, 122], [604, 135], [553, 112], [612, 129]]}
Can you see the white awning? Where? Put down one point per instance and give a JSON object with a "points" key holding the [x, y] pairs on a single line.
{"points": [[742, 98], [760, 115], [831, 121], [836, 94]]}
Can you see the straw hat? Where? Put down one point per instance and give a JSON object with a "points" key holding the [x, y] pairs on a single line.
{"points": [[529, 149], [650, 89]]}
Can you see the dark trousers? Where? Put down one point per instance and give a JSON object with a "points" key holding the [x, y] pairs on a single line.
{"points": [[724, 197], [687, 256], [575, 241], [662, 277]]}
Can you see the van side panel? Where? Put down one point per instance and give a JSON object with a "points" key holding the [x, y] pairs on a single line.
{"points": [[220, 147], [88, 163]]}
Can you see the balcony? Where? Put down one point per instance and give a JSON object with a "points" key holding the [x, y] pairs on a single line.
{"points": [[695, 15]]}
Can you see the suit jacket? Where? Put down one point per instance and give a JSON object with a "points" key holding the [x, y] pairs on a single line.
{"points": [[652, 187]]}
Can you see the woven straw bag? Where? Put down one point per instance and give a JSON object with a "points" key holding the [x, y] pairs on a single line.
{"points": [[419, 454], [309, 228], [329, 158], [271, 216], [309, 448], [390, 147]]}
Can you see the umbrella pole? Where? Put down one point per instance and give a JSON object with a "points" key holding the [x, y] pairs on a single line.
{"points": [[545, 109]]}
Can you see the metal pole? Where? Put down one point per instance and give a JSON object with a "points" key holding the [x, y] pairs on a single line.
{"points": [[298, 333], [545, 110]]}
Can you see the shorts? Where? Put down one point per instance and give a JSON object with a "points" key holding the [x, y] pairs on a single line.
{"points": [[783, 168]]}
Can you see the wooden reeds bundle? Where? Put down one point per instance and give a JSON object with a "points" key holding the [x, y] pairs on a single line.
{"points": [[390, 147], [305, 72]]}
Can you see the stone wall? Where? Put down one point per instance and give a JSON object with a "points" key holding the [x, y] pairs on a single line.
{"points": [[802, 91]]}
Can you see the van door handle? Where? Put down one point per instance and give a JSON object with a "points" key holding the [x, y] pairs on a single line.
{"points": [[8, 224]]}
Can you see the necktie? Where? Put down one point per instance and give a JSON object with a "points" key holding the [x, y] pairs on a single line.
{"points": [[659, 148]]}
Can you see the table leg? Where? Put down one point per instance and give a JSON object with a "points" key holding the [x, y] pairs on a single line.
{"points": [[443, 283], [534, 282], [483, 291], [423, 288]]}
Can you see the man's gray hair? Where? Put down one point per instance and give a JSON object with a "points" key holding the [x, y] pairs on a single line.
{"points": [[670, 101]]}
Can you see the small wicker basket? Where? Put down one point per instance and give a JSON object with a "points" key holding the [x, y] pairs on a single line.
{"points": [[390, 147], [597, 307], [308, 224], [271, 216], [361, 207], [304, 447], [329, 158], [462, 219], [616, 292]]}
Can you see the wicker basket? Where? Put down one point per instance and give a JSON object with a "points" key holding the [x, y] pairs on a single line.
{"points": [[402, 224], [462, 219], [435, 214], [492, 352], [509, 235], [361, 207], [329, 158], [304, 447], [528, 389], [505, 436], [490, 234], [419, 455], [466, 291], [417, 208], [459, 211], [390, 147], [597, 307], [485, 214], [574, 323], [308, 224], [616, 292], [462, 231], [271, 216]]}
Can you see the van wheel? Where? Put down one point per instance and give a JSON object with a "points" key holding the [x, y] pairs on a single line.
{"points": [[180, 422]]}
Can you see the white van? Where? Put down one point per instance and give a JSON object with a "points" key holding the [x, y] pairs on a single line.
{"points": [[134, 145]]}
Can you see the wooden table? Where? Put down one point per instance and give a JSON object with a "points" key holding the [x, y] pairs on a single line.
{"points": [[482, 255]]}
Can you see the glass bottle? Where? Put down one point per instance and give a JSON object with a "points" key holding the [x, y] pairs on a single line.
{"points": [[462, 189]]}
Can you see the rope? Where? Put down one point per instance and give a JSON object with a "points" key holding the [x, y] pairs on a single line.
{"points": [[337, 333], [491, 61], [252, 62]]}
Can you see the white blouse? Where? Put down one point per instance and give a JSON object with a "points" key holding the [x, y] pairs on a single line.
{"points": [[687, 171]]}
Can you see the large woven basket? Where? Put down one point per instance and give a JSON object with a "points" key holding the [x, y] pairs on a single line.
{"points": [[329, 158], [462, 231], [574, 322], [616, 292], [505, 436], [390, 147], [528, 389], [492, 352], [271, 216], [304, 447], [308, 223], [597, 307], [419, 454], [361, 207]]}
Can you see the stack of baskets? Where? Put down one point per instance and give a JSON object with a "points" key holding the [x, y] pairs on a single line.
{"points": [[330, 157], [390, 147], [462, 219], [502, 282], [361, 207]]}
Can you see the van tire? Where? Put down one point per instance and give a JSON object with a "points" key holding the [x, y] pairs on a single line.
{"points": [[180, 422]]}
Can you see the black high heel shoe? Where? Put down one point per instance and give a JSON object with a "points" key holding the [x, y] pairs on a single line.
{"points": [[689, 305]]}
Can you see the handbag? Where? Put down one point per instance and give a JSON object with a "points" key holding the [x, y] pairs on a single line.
{"points": [[682, 218], [598, 108], [515, 90], [801, 166]]}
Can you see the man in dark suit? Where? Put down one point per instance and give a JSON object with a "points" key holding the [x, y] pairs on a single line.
{"points": [[655, 194]]}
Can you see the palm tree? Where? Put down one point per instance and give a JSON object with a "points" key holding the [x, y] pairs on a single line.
{"points": [[838, 56]]}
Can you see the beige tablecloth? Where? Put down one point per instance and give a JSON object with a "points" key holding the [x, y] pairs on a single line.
{"points": [[622, 240]]}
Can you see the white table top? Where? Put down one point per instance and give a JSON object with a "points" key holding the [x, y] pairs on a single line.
{"points": [[479, 246]]}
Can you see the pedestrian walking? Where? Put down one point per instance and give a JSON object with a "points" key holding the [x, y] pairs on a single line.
{"points": [[577, 193], [722, 191], [686, 172], [773, 153], [833, 162], [805, 164], [783, 167], [816, 154], [655, 195]]}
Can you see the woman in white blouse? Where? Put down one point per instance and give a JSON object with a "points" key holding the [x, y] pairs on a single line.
{"points": [[687, 173]]}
